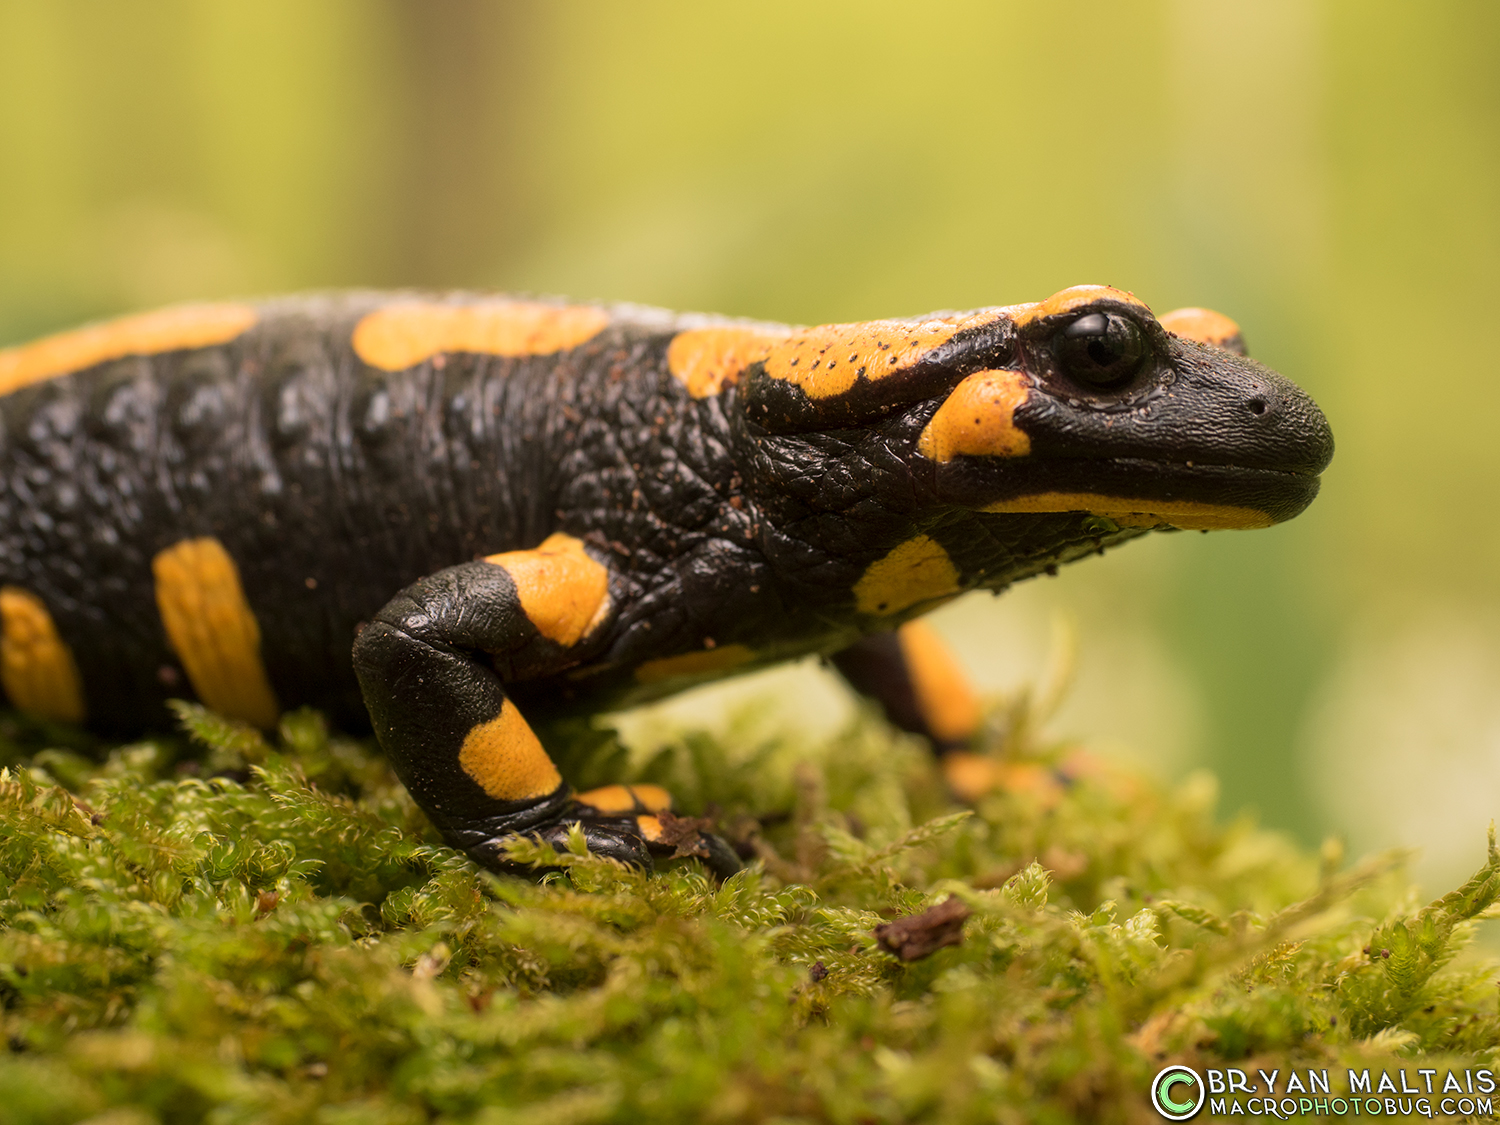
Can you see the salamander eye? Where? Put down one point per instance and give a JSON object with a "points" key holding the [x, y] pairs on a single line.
{"points": [[1100, 350]]}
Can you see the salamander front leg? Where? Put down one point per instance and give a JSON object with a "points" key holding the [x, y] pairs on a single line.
{"points": [[432, 667], [922, 688]]}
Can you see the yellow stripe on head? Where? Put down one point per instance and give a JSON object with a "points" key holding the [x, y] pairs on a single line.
{"points": [[212, 630], [166, 330], [405, 334], [36, 666], [506, 760], [1187, 515], [828, 360]]}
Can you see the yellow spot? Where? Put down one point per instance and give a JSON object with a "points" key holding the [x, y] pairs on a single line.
{"points": [[563, 591], [1205, 326], [978, 419], [943, 693], [650, 827], [405, 334], [1070, 299], [626, 798], [827, 360], [36, 667], [1188, 515], [970, 776], [918, 570], [702, 664], [166, 330], [704, 359], [505, 759], [212, 629]]}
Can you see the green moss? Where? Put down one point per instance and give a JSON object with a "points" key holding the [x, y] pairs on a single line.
{"points": [[266, 930]]}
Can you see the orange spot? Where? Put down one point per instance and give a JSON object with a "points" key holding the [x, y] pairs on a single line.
{"points": [[649, 826], [704, 359], [1205, 326], [563, 591], [626, 798], [1188, 515], [918, 570], [36, 666], [506, 760], [978, 419], [1067, 300], [701, 665], [409, 332], [212, 629], [827, 360], [165, 330], [970, 776], [943, 693]]}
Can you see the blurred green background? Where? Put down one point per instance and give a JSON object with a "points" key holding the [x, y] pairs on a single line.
{"points": [[1328, 173]]}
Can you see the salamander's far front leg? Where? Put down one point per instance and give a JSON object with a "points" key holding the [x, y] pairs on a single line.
{"points": [[430, 666]]}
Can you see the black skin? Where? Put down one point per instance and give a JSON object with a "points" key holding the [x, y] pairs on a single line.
{"points": [[355, 503]]}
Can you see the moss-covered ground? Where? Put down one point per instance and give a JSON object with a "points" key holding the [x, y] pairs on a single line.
{"points": [[227, 927]]}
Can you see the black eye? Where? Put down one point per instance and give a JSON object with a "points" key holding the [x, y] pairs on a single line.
{"points": [[1100, 350]]}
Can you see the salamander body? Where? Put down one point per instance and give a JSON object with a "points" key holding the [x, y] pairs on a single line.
{"points": [[462, 517]]}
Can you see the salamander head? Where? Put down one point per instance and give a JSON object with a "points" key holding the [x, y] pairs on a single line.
{"points": [[1083, 403]]}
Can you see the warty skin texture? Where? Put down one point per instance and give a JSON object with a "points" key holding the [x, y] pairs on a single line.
{"points": [[781, 508]]}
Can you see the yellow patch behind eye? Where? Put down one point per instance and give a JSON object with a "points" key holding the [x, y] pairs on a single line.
{"points": [[165, 330], [563, 591], [212, 630], [978, 419], [827, 360], [704, 359], [1067, 300], [410, 332], [1188, 515], [37, 668], [506, 760], [918, 570]]}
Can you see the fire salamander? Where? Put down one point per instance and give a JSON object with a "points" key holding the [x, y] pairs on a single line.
{"points": [[467, 516]]}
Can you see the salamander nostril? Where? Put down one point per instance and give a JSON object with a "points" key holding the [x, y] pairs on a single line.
{"points": [[1258, 406]]}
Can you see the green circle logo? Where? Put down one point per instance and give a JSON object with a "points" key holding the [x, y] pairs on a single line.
{"points": [[1177, 1093]]}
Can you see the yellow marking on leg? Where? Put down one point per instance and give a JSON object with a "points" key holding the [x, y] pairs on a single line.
{"points": [[650, 827], [970, 776], [37, 668], [1205, 326], [1072, 299], [166, 330], [506, 760], [943, 692], [828, 360], [212, 629], [563, 591], [703, 664], [978, 419], [918, 570], [407, 333], [1188, 515], [626, 798], [704, 359]]}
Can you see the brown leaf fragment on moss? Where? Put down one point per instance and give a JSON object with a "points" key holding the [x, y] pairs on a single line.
{"points": [[683, 834], [921, 935]]}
